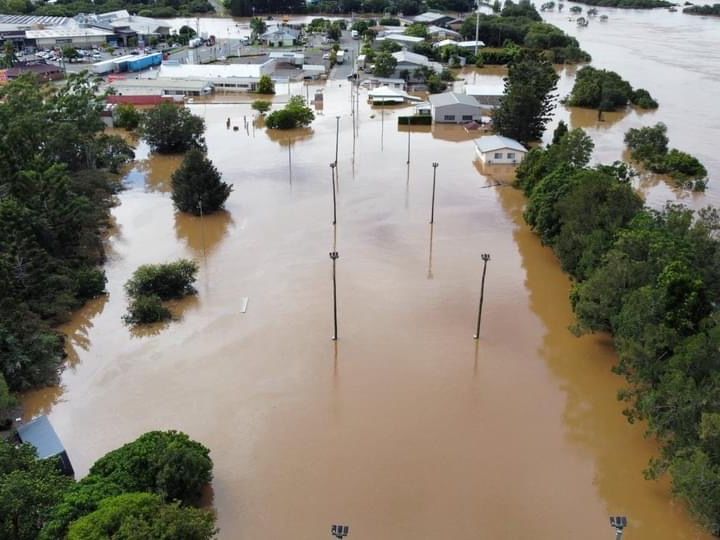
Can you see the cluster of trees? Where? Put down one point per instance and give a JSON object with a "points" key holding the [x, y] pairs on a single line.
{"points": [[649, 146], [392, 7], [629, 4], [146, 489], [153, 284], [528, 99], [605, 90], [294, 115], [520, 24], [713, 10], [247, 8], [70, 8], [169, 129], [56, 189], [652, 279]]}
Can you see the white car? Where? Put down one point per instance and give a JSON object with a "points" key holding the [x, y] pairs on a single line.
{"points": [[326, 56]]}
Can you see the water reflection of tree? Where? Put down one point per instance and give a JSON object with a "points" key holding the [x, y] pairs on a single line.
{"points": [[203, 235], [588, 118], [178, 308], [453, 133], [285, 137], [77, 331], [157, 171]]}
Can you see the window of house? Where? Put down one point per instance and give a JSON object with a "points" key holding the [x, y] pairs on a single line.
{"points": [[467, 117], [498, 155], [449, 117], [511, 155]]}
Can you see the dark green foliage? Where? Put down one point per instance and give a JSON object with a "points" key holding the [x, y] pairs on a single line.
{"points": [[139, 516], [146, 309], [127, 117], [528, 100], [713, 10], [435, 84], [7, 401], [168, 463], [167, 281], [607, 91], [559, 132], [29, 488], [70, 8], [265, 85], [55, 197], [649, 146], [169, 128], [197, 186], [261, 106], [629, 4], [652, 279], [295, 114], [385, 64]]}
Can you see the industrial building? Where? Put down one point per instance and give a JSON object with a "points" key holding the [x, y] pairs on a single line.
{"points": [[452, 108], [129, 63], [229, 77], [160, 87]]}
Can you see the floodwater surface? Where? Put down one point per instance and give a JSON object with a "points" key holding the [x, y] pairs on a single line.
{"points": [[406, 427]]}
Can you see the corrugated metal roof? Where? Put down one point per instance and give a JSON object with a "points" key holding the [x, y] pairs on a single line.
{"points": [[496, 142], [451, 98], [42, 436]]}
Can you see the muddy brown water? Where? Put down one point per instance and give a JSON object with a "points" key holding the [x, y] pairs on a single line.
{"points": [[406, 427]]}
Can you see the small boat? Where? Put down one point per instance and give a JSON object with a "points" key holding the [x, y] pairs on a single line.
{"points": [[582, 21], [603, 18]]}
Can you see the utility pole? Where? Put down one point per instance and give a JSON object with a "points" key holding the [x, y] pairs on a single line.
{"points": [[485, 258], [477, 25], [332, 168], [408, 157], [202, 226], [337, 137], [334, 256], [432, 208]]}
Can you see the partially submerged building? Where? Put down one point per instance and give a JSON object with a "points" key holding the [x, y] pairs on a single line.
{"points": [[229, 77], [498, 150], [452, 108], [40, 434]]}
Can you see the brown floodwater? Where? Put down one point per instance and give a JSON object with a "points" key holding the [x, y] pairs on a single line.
{"points": [[405, 427]]}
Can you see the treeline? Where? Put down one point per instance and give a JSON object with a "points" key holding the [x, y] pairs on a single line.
{"points": [[146, 489], [651, 278], [70, 8], [713, 10], [56, 189], [606, 91], [629, 4], [519, 25]]}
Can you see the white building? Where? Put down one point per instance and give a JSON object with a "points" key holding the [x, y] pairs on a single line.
{"points": [[160, 87], [497, 150], [280, 36], [410, 61], [64, 36], [387, 95], [461, 44], [231, 77], [400, 39], [452, 108]]}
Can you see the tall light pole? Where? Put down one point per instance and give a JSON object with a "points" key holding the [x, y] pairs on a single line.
{"points": [[477, 25], [485, 258], [334, 256], [337, 137], [619, 523], [408, 158], [432, 208], [332, 169]]}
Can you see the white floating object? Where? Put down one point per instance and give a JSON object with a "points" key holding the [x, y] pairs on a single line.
{"points": [[243, 304]]}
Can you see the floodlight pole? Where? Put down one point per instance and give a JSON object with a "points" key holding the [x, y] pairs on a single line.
{"points": [[477, 26], [485, 258], [432, 207], [337, 137], [332, 169], [334, 256], [408, 158]]}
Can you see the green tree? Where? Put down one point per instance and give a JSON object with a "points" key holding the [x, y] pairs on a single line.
{"points": [[168, 128], [295, 114], [7, 401], [649, 143], [559, 132], [265, 85], [334, 32], [70, 53], [417, 30], [138, 516], [528, 100], [197, 186], [146, 309], [8, 59], [29, 489], [258, 27], [168, 463], [385, 64], [261, 106], [127, 117], [168, 281]]}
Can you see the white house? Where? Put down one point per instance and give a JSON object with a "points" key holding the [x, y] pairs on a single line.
{"points": [[409, 61], [452, 108], [497, 150], [387, 95]]}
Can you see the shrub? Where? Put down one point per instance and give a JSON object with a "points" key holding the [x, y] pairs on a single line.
{"points": [[265, 85], [127, 116], [294, 114], [90, 283], [166, 281], [146, 309], [642, 98], [197, 186], [261, 106]]}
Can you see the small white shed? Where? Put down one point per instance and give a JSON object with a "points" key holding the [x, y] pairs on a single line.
{"points": [[497, 150]]}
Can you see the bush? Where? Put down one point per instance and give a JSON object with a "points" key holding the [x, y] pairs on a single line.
{"points": [[127, 117], [261, 106], [166, 281], [146, 309], [681, 164], [168, 129], [168, 463], [7, 401], [90, 283], [294, 114], [642, 98], [265, 85], [197, 186]]}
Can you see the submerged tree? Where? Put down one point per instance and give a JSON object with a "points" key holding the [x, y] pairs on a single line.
{"points": [[197, 186], [169, 129]]}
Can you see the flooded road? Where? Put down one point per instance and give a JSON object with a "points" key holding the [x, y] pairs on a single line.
{"points": [[406, 427]]}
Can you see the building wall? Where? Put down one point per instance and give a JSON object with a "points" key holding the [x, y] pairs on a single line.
{"points": [[507, 156], [455, 113], [76, 41]]}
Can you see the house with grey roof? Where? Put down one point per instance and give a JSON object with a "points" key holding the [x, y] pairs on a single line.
{"points": [[280, 36], [452, 108], [432, 17], [498, 150]]}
